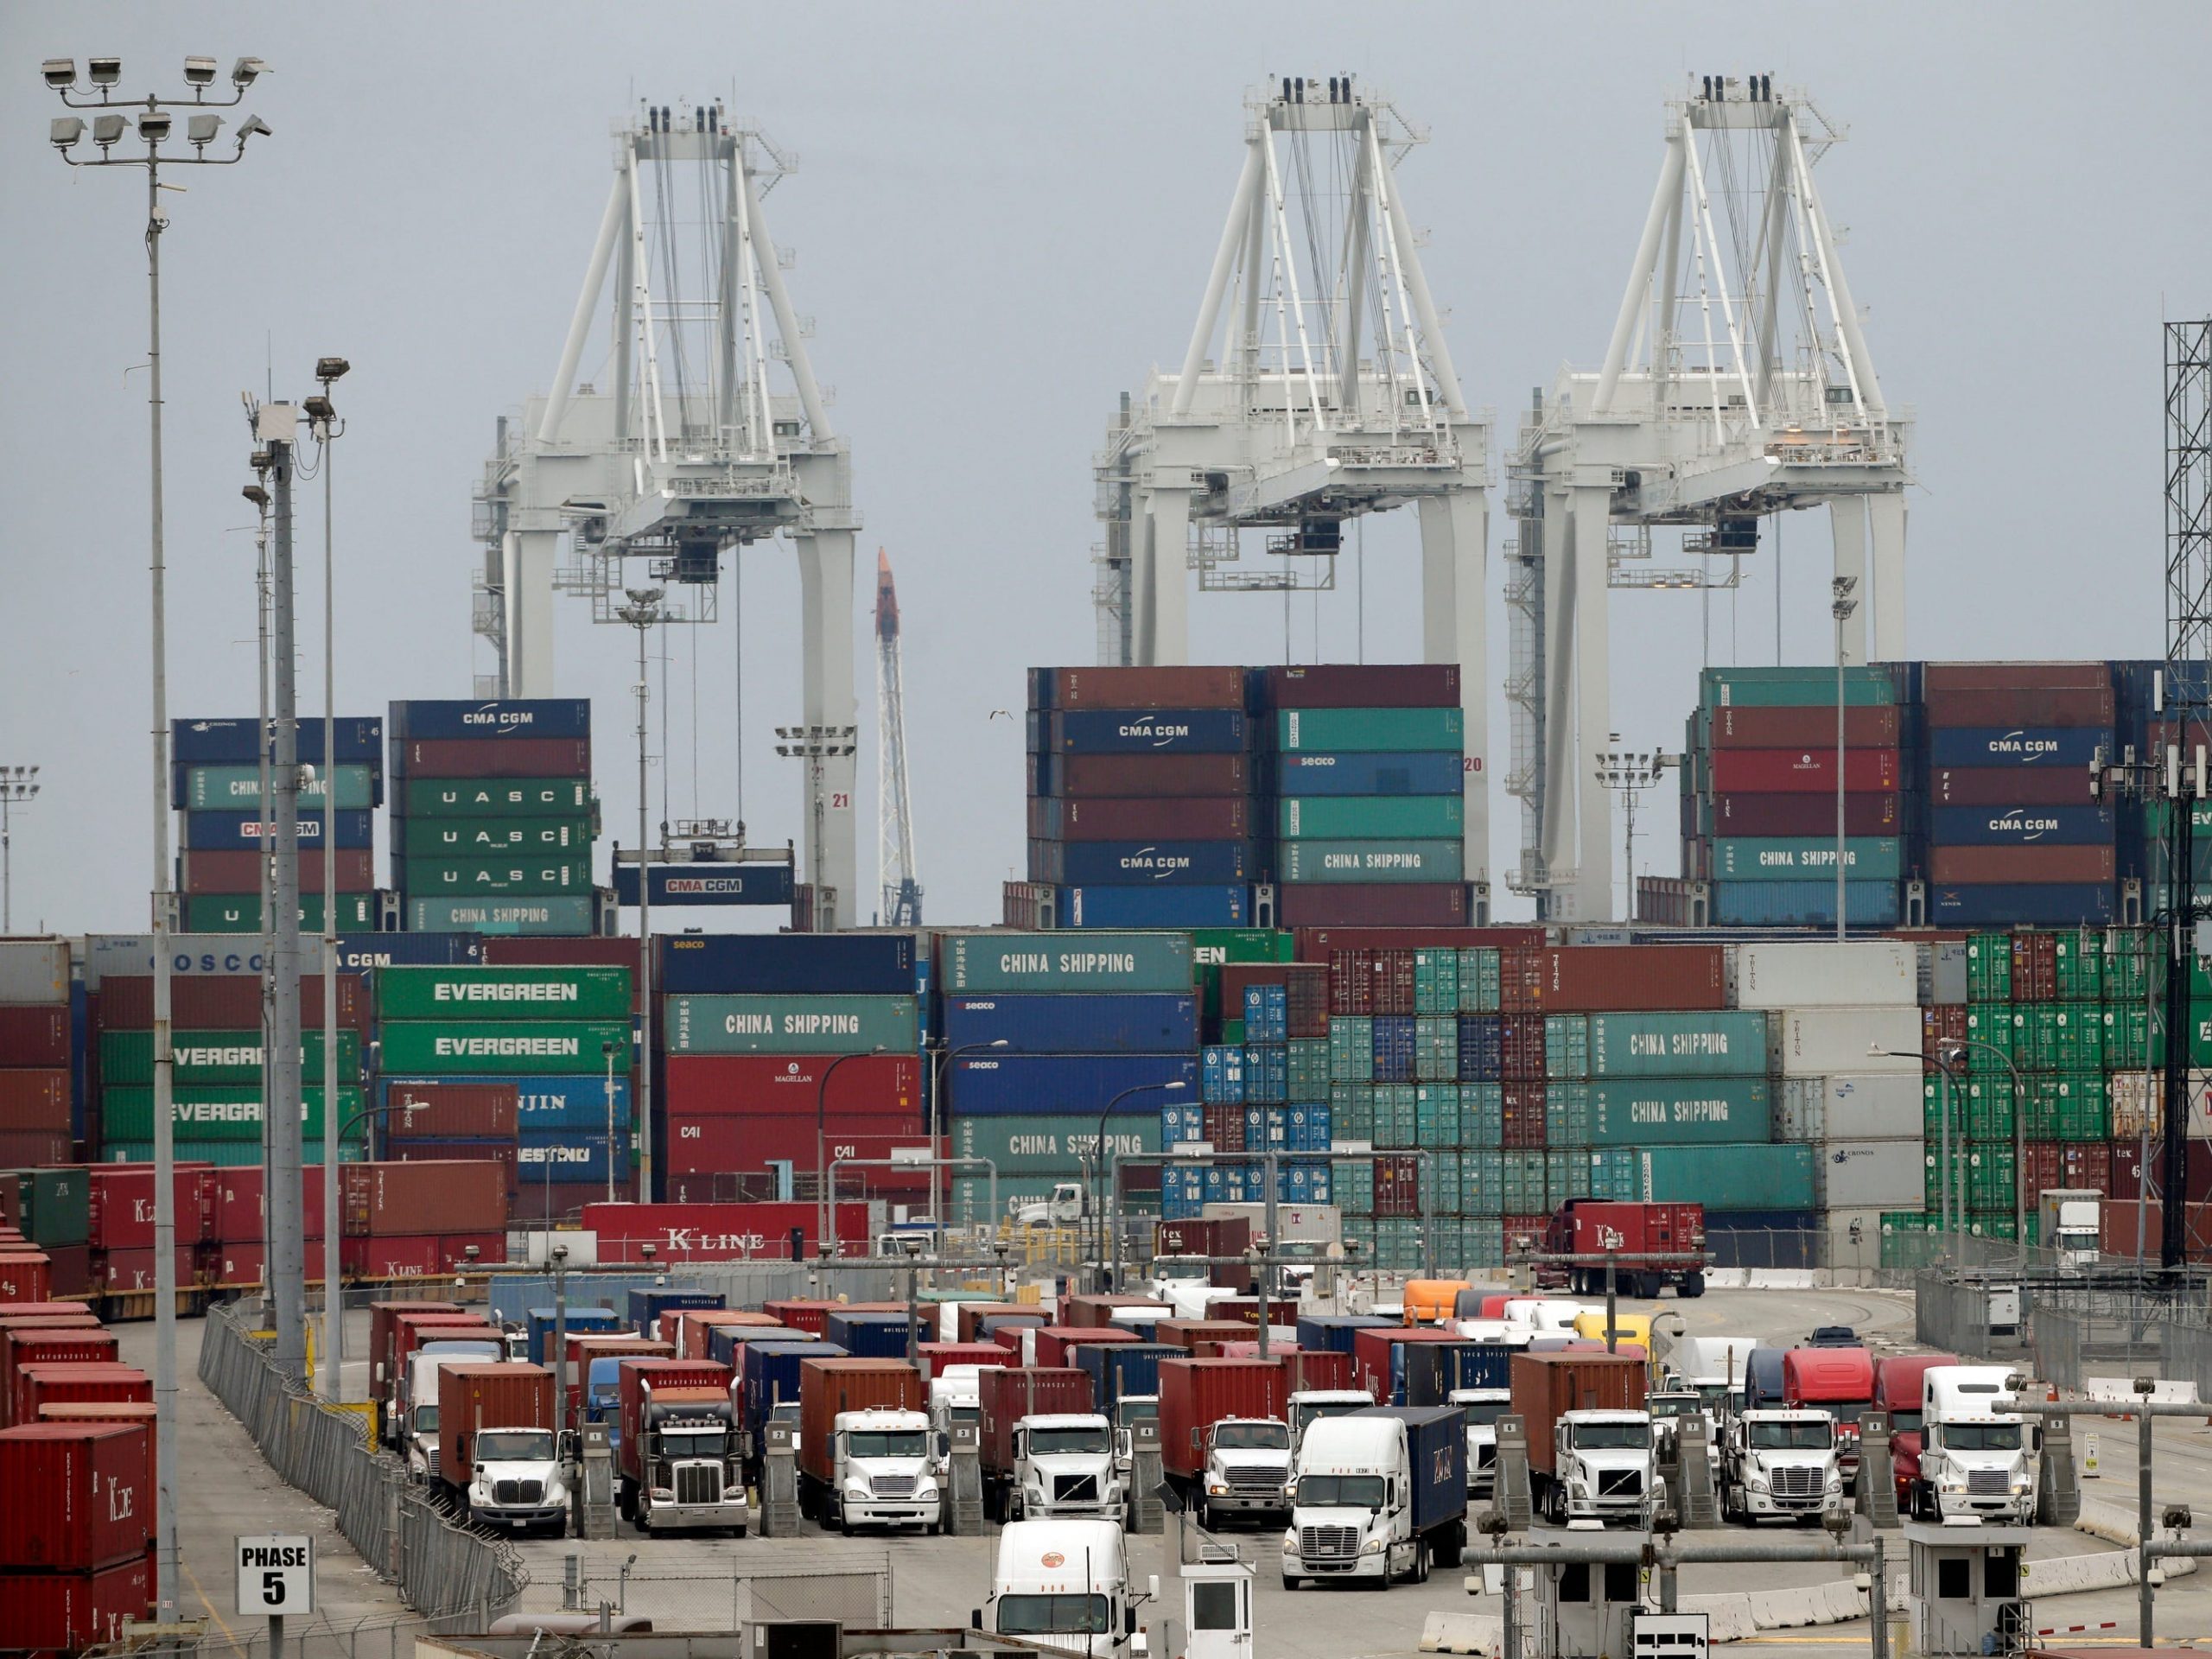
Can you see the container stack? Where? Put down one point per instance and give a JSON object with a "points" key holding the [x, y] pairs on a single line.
{"points": [[782, 1051], [406, 1220], [77, 1556], [494, 819], [216, 789], [1140, 812], [461, 1046], [1759, 795], [2014, 836], [1098, 1028], [56, 1216], [1363, 786], [36, 1120]]}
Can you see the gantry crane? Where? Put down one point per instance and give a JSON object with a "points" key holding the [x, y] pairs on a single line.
{"points": [[686, 452], [1736, 383], [1331, 393], [895, 801]]}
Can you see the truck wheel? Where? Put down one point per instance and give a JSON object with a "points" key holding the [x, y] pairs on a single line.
{"points": [[1289, 1583], [1694, 1284], [1454, 1541], [844, 1519], [1205, 1513], [1420, 1574]]}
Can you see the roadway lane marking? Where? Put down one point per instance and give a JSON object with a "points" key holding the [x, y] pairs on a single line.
{"points": [[187, 1568]]}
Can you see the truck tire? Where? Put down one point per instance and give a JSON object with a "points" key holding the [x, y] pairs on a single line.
{"points": [[1420, 1574], [1289, 1583], [1450, 1546], [1693, 1284]]}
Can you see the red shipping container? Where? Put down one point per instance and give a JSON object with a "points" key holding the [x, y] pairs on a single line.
{"points": [[1175, 687], [25, 1276], [401, 1256], [1360, 904], [226, 1001], [829, 1387], [1311, 1370], [505, 1155], [1864, 814], [971, 1318], [1188, 1333], [226, 870], [807, 1314], [2008, 786], [693, 1326], [1218, 1236], [2085, 1167], [1521, 980], [242, 1266], [2045, 706], [1226, 818], [1007, 1393], [1521, 1047], [56, 1346], [64, 1612], [382, 1200], [2015, 677], [1196, 1393], [537, 1201], [1224, 1127], [238, 1218], [521, 951], [1397, 1185], [634, 1377], [1054, 1341], [704, 1085], [72, 1269], [937, 1357], [36, 1101], [34, 1034], [31, 1148], [385, 1319], [1964, 866], [716, 1232], [102, 1383], [507, 757], [1521, 1112], [144, 1414], [1372, 1358], [1357, 685], [1805, 771], [2042, 1168], [126, 1272], [707, 1144], [451, 1111], [1599, 979], [503, 1393], [123, 1205], [1154, 777], [1870, 728], [1546, 1387]]}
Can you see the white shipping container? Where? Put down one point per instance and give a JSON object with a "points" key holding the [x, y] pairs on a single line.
{"points": [[1947, 972], [2137, 1104], [1860, 974], [33, 971], [1832, 1042], [1860, 1252], [1868, 1174], [1295, 1224], [1863, 1106]]}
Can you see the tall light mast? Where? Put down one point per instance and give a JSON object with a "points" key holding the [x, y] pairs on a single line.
{"points": [[894, 803]]}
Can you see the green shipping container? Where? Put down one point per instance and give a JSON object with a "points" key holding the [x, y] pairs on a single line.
{"points": [[2081, 953], [1368, 731], [1482, 1121], [232, 1155], [1480, 974], [2127, 971], [434, 1048], [790, 1025], [1481, 1183], [1351, 1048], [523, 876], [1646, 1112], [1072, 961], [1989, 1028], [570, 916], [499, 838], [1566, 1046], [1436, 981], [1371, 817], [1727, 1177], [1616, 1174], [1218, 946], [1436, 1047], [1726, 1043], [238, 789], [409, 993], [1351, 1181], [1436, 1115], [1050, 1145], [1309, 1072], [1566, 1175], [1368, 860], [210, 913], [127, 1057], [57, 1205], [1795, 687], [494, 797], [1566, 1114], [1352, 1113], [1794, 858], [220, 1112], [1397, 1115], [1989, 968]]}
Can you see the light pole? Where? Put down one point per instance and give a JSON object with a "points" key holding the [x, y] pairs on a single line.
{"points": [[814, 745], [18, 787], [1629, 773], [825, 1235], [2019, 1140], [1946, 1083], [1841, 607], [200, 130], [940, 1121], [1098, 1153], [643, 610], [325, 427], [608, 1048]]}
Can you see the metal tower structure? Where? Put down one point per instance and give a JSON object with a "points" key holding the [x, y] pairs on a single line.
{"points": [[895, 801], [1737, 382], [688, 451], [1317, 386]]}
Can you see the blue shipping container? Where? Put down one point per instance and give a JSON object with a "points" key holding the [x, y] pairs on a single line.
{"points": [[468, 717], [1153, 1023], [230, 832], [1221, 1071], [1180, 1123], [1436, 1443], [1154, 906], [1393, 1046], [1435, 771], [2047, 747], [1149, 731], [358, 952], [1427, 1372], [1763, 1238], [1267, 1074], [576, 1156], [648, 1303], [547, 1104], [1121, 1370], [2020, 826], [767, 964], [772, 1370], [1266, 1013], [1332, 1332], [236, 742], [867, 1333], [995, 1085], [1165, 863], [1805, 902], [2054, 904], [579, 1321], [1481, 1048]]}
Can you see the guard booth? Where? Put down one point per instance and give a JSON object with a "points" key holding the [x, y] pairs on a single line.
{"points": [[1588, 1606], [1969, 1587], [1218, 1605]]}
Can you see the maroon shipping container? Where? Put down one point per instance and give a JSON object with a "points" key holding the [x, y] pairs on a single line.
{"points": [[238, 870], [65, 1612], [1108, 777], [937, 1357], [1945, 1023], [35, 1033], [1968, 864], [1137, 687], [971, 1317], [1879, 813], [699, 1145], [72, 1271], [507, 757], [1803, 771], [1227, 1236], [238, 1218], [2035, 967], [384, 1325], [1315, 944], [521, 951], [1370, 1352], [1304, 984], [26, 1276], [1310, 1370], [239, 1266], [1546, 1387], [1196, 1393], [2015, 677], [505, 1155], [35, 1102], [1007, 1393], [122, 1205], [1227, 817], [1632, 978], [451, 1111], [1522, 1114], [1055, 1341], [497, 1394], [534, 1202], [717, 1232], [1873, 728], [2008, 786], [42, 1316], [1182, 1333], [79, 1499], [1371, 982], [126, 1272], [635, 1376], [417, 1324], [1361, 904], [416, 1255], [383, 1200], [705, 1086], [1397, 1185], [1521, 1047], [140, 1413], [51, 1345], [1245, 1310], [2047, 706], [1098, 1309], [1224, 1127], [223, 1001], [1362, 685], [829, 1386]]}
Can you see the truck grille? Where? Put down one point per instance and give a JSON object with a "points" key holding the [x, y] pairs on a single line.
{"points": [[517, 1491], [1318, 1544], [698, 1483], [1075, 1488], [1988, 1483], [1798, 1482], [1256, 1479], [1620, 1482], [431, 1462], [891, 1485]]}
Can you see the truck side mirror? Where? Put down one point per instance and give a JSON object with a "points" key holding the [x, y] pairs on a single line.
{"points": [[1128, 1621]]}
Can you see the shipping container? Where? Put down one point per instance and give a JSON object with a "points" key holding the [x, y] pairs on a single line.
{"points": [[970, 963], [239, 870], [477, 1048], [1196, 1393], [1162, 731], [241, 914], [1868, 1174], [1137, 687], [216, 1057], [67, 1612], [1863, 974], [763, 1084], [34, 971], [718, 1232], [506, 721], [1820, 1042], [1142, 819], [1149, 1024], [239, 742], [54, 1345], [224, 1000], [1060, 1143], [2020, 826], [2052, 904], [1369, 862], [494, 993], [1578, 979], [1546, 1386], [1719, 1044], [937, 1357], [80, 1497], [1866, 1106], [1801, 772], [1328, 905], [1805, 902], [386, 1200], [473, 1396], [829, 1385], [423, 840], [1165, 863], [471, 760], [1874, 813], [1649, 1111], [1368, 818], [2053, 747], [1363, 685], [2022, 864], [1106, 777], [1315, 777], [1793, 687], [247, 831], [1865, 726], [207, 789], [791, 1025], [1794, 858], [773, 1373], [34, 1099], [464, 1111], [1154, 906], [1008, 1393], [218, 1111], [1371, 730], [521, 876], [997, 1086], [1725, 1178], [474, 798]]}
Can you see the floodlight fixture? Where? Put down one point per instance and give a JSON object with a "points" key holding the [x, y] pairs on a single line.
{"points": [[245, 70], [249, 127], [200, 130], [154, 125], [318, 408], [256, 495], [61, 73], [106, 130], [200, 72], [103, 71], [328, 369], [65, 131]]}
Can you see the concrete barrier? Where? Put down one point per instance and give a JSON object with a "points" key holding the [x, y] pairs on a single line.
{"points": [[1476, 1633]]}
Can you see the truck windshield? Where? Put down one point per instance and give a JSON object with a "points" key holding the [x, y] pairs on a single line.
{"points": [[514, 1445], [887, 1443], [1138, 1409], [426, 1419], [1792, 1437], [1309, 1415], [1055, 1441], [1485, 1413], [1612, 1437], [1168, 1269], [1906, 1419], [1052, 1616], [1340, 1493], [1670, 1405], [786, 1412], [1252, 1437], [1981, 1436], [692, 1443], [967, 1414]]}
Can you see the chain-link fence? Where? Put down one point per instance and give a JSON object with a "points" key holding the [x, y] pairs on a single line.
{"points": [[852, 1585], [459, 1579]]}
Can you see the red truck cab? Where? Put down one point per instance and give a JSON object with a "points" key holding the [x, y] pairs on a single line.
{"points": [[1897, 1392], [1839, 1381], [1655, 1245]]}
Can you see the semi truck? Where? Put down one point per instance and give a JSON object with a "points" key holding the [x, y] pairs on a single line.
{"points": [[2070, 1224], [1225, 1436], [1045, 1451], [1480, 1409], [1897, 1394], [1380, 1494], [1839, 1381], [1780, 1463], [414, 1344], [1716, 1366], [1590, 1440], [679, 1464], [1978, 1460], [1063, 1585], [1653, 1246], [864, 1445], [498, 1454]]}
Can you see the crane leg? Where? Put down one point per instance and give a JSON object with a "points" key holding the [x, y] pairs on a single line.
{"points": [[1886, 515], [1162, 579], [825, 571], [1558, 792], [1593, 862], [528, 556], [1848, 515], [1455, 572]]}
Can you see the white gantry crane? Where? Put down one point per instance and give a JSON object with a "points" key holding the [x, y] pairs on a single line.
{"points": [[1317, 386], [1736, 383], [895, 801], [685, 449]]}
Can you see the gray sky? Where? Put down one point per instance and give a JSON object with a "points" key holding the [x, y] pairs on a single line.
{"points": [[1002, 216]]}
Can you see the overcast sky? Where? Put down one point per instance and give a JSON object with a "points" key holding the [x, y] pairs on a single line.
{"points": [[1002, 219]]}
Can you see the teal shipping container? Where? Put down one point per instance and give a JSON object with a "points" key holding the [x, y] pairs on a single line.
{"points": [[238, 789], [1368, 731], [791, 1025], [1368, 860], [1789, 858], [1719, 1043], [1726, 1178], [1052, 1145], [1371, 817], [1647, 1111], [1087, 961], [1795, 687]]}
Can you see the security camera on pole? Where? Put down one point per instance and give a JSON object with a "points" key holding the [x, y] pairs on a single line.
{"points": [[324, 424]]}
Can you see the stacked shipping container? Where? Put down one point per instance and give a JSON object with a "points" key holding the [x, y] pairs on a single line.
{"points": [[36, 1091]]}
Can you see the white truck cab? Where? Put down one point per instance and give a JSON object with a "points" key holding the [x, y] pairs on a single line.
{"points": [[1545, 1315], [1668, 1408], [1715, 1367], [884, 1475], [955, 1396], [1064, 1207], [1065, 1467], [515, 1480], [1976, 1459], [1481, 1408], [1355, 1507], [1604, 1468], [1780, 1463], [1309, 1406], [1247, 1466], [1065, 1585]]}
